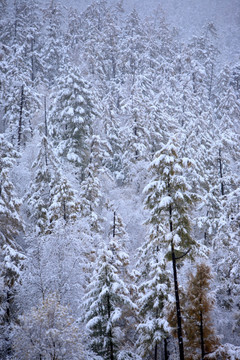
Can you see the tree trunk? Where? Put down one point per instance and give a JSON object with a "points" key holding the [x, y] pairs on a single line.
{"points": [[201, 334], [156, 352], [114, 224], [178, 309], [110, 331], [211, 82], [20, 117], [165, 349], [64, 210], [32, 61], [45, 117], [221, 171], [46, 129]]}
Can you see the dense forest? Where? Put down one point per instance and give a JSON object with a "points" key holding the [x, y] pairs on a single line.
{"points": [[119, 187]]}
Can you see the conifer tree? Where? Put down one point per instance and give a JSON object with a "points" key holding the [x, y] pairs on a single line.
{"points": [[133, 46], [226, 254], [64, 206], [198, 303], [106, 302], [91, 194], [118, 245], [153, 294], [71, 116], [46, 174], [52, 48], [137, 138], [169, 199], [11, 227], [93, 18], [20, 98]]}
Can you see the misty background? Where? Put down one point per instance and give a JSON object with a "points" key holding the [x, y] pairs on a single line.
{"points": [[188, 16]]}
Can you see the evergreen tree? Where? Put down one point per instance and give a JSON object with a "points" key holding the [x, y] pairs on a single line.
{"points": [[52, 52], [106, 300], [71, 116], [46, 174], [20, 99], [114, 135], [133, 46], [225, 256], [169, 199], [64, 206], [153, 294], [91, 195], [137, 137], [12, 256]]}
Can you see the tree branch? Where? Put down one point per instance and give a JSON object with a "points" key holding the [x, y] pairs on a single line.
{"points": [[180, 257]]}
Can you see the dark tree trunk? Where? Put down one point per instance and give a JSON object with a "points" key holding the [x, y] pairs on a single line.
{"points": [[114, 223], [156, 352], [45, 117], [178, 309], [32, 61], [46, 157], [136, 134], [211, 82], [201, 334], [221, 171], [110, 331], [113, 67], [8, 321], [64, 210], [20, 117], [165, 349]]}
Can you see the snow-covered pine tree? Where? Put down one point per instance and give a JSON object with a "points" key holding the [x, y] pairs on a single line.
{"points": [[114, 133], [106, 297], [20, 98], [204, 54], [227, 136], [91, 193], [71, 116], [64, 207], [169, 198], [225, 257], [53, 55], [153, 292], [11, 226], [46, 174], [118, 245], [137, 137], [133, 46], [198, 142], [235, 78], [74, 35]]}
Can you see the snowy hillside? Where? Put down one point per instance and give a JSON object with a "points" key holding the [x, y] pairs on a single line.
{"points": [[119, 180]]}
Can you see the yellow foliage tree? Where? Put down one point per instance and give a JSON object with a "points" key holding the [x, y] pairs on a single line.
{"points": [[199, 335]]}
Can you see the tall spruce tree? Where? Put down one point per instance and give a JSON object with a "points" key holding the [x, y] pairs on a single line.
{"points": [[153, 293], [169, 198], [11, 226], [46, 174], [71, 116], [107, 302]]}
